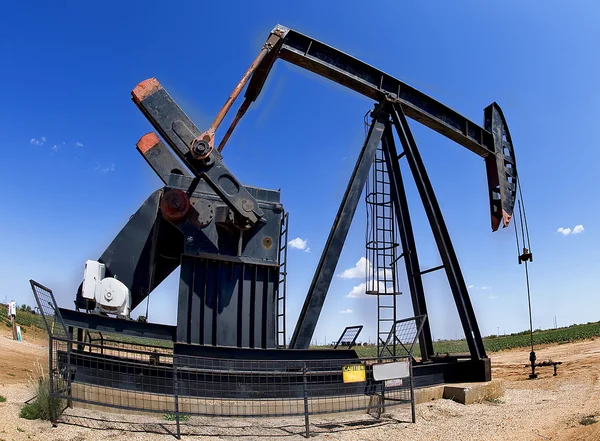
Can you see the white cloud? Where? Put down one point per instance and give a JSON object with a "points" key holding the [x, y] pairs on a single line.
{"points": [[299, 244], [566, 231], [358, 291], [492, 297], [385, 274], [43, 139], [78, 144], [360, 270], [474, 287], [55, 148], [346, 311], [364, 269], [107, 169], [40, 141]]}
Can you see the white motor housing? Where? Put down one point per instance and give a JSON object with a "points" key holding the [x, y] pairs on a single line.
{"points": [[111, 295]]}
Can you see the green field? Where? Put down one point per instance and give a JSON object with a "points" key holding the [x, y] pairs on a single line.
{"points": [[24, 319], [492, 343], [498, 343]]}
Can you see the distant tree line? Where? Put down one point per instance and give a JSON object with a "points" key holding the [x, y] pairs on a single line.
{"points": [[27, 308]]}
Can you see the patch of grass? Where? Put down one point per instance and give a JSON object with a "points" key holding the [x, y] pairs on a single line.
{"points": [[2, 398], [501, 342], [20, 430], [30, 412], [588, 420], [495, 401], [41, 407], [173, 417]]}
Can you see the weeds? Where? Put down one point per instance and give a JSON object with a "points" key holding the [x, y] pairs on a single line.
{"points": [[2, 398], [173, 417], [588, 420], [495, 401], [41, 407]]}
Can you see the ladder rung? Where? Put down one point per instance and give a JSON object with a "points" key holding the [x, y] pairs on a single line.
{"points": [[432, 269]]}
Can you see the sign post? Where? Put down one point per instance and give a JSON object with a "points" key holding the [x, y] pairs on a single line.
{"points": [[12, 313]]}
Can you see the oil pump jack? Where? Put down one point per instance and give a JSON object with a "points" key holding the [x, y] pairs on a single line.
{"points": [[229, 239]]}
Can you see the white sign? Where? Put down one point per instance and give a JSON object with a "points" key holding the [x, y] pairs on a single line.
{"points": [[393, 383], [12, 308], [391, 371]]}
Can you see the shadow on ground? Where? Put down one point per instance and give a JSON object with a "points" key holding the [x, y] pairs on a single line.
{"points": [[233, 428]]}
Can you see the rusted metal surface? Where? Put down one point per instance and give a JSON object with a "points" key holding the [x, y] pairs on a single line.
{"points": [[241, 112], [209, 135], [145, 89], [146, 142], [162, 160], [181, 134], [174, 205], [200, 149]]}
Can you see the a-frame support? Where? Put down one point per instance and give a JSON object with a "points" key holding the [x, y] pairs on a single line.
{"points": [[386, 115], [440, 233], [315, 298], [407, 240]]}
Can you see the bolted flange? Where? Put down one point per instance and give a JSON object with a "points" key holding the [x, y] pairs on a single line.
{"points": [[200, 149], [174, 205]]}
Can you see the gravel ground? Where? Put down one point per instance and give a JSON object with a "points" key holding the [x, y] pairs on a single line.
{"points": [[549, 408]]}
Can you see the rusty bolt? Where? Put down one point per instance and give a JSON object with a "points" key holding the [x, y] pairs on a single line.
{"points": [[267, 242], [201, 149]]}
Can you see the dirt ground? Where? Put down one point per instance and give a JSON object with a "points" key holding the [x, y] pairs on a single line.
{"points": [[549, 408]]}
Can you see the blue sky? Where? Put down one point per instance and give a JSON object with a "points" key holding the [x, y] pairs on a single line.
{"points": [[73, 176]]}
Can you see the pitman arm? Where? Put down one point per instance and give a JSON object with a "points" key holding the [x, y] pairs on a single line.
{"points": [[196, 153]]}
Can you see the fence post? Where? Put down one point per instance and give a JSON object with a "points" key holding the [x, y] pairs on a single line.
{"points": [[176, 397], [305, 387], [382, 404], [412, 391], [51, 380]]}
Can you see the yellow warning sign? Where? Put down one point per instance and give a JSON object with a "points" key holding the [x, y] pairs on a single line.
{"points": [[354, 373]]}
